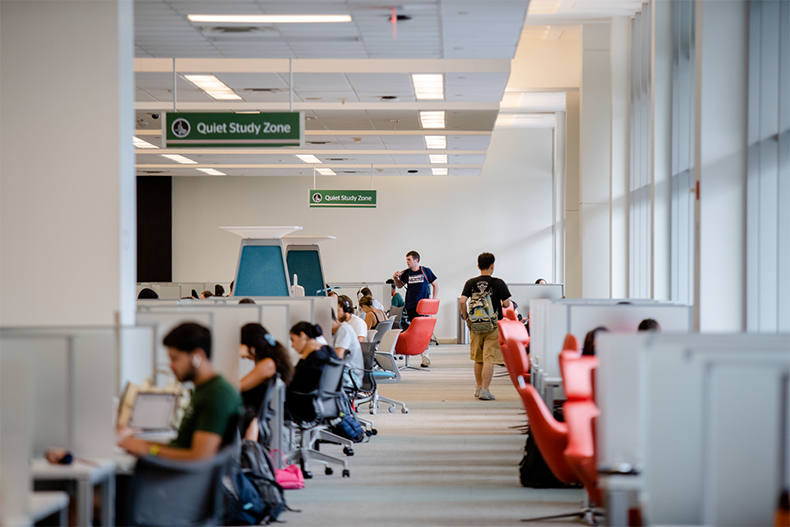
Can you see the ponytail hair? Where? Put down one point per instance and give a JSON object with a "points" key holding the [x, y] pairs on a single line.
{"points": [[264, 345], [313, 331]]}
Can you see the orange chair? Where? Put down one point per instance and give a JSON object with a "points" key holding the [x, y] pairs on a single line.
{"points": [[416, 338], [578, 377], [580, 454], [513, 339], [509, 313]]}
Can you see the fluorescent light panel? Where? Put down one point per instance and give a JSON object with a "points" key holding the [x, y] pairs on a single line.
{"points": [[212, 172], [139, 143], [326, 171], [428, 86], [213, 86], [439, 171], [432, 119], [308, 158], [438, 158], [180, 159], [436, 142], [269, 19]]}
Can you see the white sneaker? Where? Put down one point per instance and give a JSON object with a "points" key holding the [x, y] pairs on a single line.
{"points": [[477, 391], [426, 362], [486, 395]]}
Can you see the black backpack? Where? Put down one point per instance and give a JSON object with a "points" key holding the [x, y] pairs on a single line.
{"points": [[252, 495], [533, 470]]}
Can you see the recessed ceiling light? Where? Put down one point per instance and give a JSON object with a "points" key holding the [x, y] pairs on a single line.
{"points": [[308, 158], [432, 119], [428, 86], [326, 171], [212, 86], [438, 159], [439, 171], [436, 142], [212, 172], [388, 98], [180, 159], [269, 19], [139, 143]]}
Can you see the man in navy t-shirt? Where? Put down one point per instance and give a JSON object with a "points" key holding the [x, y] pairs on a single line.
{"points": [[419, 281]]}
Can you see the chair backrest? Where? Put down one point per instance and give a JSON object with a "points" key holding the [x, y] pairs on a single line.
{"points": [[368, 359], [509, 313], [381, 329], [580, 453], [416, 338], [550, 435], [330, 390], [386, 360], [577, 376], [166, 492], [428, 306], [512, 337], [396, 313], [387, 344]]}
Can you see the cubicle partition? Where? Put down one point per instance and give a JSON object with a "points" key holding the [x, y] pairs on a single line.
{"points": [[522, 294], [381, 291], [178, 290], [551, 320], [697, 425]]}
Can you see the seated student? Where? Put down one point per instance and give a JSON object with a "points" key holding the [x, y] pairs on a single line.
{"points": [[147, 294], [270, 357], [211, 420], [589, 340], [246, 301], [396, 300], [540, 281], [206, 294], [219, 290], [346, 314], [307, 374], [372, 315], [365, 291], [649, 324], [346, 342]]}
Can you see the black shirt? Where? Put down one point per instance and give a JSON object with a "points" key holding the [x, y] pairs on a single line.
{"points": [[306, 378], [496, 286]]}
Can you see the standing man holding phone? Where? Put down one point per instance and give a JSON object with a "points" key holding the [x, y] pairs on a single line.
{"points": [[420, 283]]}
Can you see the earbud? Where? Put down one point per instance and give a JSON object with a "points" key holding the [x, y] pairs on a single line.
{"points": [[196, 361]]}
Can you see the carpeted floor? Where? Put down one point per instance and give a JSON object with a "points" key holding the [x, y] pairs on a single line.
{"points": [[451, 461]]}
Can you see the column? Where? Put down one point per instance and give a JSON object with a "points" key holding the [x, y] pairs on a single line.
{"points": [[573, 243], [594, 162], [620, 155], [67, 229], [720, 164]]}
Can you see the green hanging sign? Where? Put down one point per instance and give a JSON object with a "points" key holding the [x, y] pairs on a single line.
{"points": [[234, 130], [343, 198]]}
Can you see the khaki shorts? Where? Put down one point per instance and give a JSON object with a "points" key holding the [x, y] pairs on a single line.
{"points": [[485, 347]]}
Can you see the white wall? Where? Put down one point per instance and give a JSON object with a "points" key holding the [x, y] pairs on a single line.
{"points": [[448, 220]]}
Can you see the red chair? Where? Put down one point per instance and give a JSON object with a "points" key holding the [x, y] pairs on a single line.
{"points": [[509, 313], [513, 339], [580, 454], [578, 377], [416, 338]]}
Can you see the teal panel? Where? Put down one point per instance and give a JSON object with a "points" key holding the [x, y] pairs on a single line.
{"points": [[307, 266], [261, 272]]}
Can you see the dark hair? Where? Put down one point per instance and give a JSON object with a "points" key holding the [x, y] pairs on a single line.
{"points": [[485, 260], [589, 340], [332, 313], [331, 293], [231, 285], [390, 281], [345, 303], [539, 280], [255, 337], [194, 294], [246, 301], [648, 324], [147, 293], [366, 301], [414, 254], [207, 294], [188, 337], [219, 290], [311, 330], [366, 291]]}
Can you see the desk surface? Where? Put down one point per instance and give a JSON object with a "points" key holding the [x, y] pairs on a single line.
{"points": [[46, 503], [43, 470]]}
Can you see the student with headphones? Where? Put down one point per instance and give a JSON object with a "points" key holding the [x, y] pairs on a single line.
{"points": [[345, 308]]}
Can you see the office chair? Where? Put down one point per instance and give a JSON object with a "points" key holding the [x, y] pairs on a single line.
{"points": [[387, 374], [326, 401], [166, 492], [580, 454], [513, 339], [415, 340]]}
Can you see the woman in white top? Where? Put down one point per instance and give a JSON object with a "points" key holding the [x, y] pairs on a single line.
{"points": [[372, 315]]}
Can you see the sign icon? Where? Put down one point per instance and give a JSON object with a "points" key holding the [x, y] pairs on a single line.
{"points": [[317, 197], [180, 128]]}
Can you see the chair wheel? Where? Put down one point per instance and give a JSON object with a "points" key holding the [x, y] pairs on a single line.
{"points": [[372, 410], [307, 474], [347, 450], [404, 410], [392, 409], [368, 433], [346, 473], [374, 432], [328, 471]]}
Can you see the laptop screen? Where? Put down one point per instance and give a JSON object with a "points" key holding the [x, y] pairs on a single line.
{"points": [[153, 411]]}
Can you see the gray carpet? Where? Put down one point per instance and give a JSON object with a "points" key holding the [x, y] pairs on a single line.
{"points": [[451, 461]]}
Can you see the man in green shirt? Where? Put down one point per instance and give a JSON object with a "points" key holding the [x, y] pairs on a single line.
{"points": [[397, 300], [211, 419]]}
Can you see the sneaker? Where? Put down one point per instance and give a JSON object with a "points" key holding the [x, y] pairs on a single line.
{"points": [[477, 391], [486, 395], [426, 362]]}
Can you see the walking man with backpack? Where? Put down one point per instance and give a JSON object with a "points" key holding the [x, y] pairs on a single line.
{"points": [[486, 296]]}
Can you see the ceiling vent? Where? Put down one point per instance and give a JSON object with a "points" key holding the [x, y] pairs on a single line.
{"points": [[318, 142], [337, 159], [263, 90], [400, 18], [350, 172], [152, 172]]}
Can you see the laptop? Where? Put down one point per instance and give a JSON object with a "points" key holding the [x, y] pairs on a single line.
{"points": [[153, 412]]}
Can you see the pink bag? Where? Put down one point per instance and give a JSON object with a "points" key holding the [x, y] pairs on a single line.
{"points": [[290, 477]]}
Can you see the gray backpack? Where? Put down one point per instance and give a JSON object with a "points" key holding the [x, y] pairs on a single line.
{"points": [[482, 317]]}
